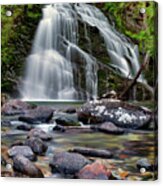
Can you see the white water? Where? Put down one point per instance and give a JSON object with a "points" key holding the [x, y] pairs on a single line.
{"points": [[51, 72]]}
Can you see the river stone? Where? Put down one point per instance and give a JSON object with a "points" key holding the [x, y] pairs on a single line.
{"points": [[25, 166], [92, 152], [41, 114], [144, 163], [24, 127], [22, 150], [14, 107], [37, 132], [66, 119], [68, 163], [93, 171], [108, 128], [37, 145]]}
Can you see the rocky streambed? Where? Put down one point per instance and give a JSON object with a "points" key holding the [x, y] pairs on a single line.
{"points": [[105, 139]]}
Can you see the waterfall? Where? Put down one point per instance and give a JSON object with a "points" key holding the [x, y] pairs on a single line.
{"points": [[51, 70]]}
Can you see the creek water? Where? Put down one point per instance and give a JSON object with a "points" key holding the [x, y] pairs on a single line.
{"points": [[127, 148]]}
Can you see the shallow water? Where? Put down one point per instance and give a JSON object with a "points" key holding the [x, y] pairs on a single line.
{"points": [[126, 148]]}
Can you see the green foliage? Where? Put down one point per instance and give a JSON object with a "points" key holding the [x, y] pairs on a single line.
{"points": [[128, 20], [17, 34]]}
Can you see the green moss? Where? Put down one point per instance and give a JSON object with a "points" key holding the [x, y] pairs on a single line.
{"points": [[16, 40]]}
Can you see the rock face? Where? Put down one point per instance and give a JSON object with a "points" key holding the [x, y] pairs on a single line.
{"points": [[25, 166], [22, 150], [144, 163], [37, 145], [66, 119], [122, 114], [38, 133], [93, 152], [68, 163], [13, 107], [93, 171], [40, 114], [108, 128]]}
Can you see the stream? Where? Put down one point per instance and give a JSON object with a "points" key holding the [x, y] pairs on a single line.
{"points": [[127, 148]]}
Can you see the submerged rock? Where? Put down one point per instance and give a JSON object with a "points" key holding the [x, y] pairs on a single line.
{"points": [[108, 128], [14, 107], [144, 163], [92, 152], [37, 145], [22, 150], [94, 171], [40, 114], [68, 163], [25, 166], [122, 114], [37, 132]]}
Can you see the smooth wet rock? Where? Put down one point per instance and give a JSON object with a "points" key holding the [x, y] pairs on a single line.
{"points": [[144, 163], [108, 128], [41, 114], [92, 152], [65, 119], [14, 107], [94, 171], [37, 145], [24, 127], [25, 166], [22, 150], [68, 163], [37, 132], [59, 128]]}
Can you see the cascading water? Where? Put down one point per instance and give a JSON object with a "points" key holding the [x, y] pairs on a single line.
{"points": [[51, 69], [122, 53]]}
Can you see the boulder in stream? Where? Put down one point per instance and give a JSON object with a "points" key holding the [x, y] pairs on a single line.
{"points": [[109, 128], [94, 171], [40, 114], [22, 150], [37, 145], [66, 119], [39, 133], [120, 113], [25, 166], [68, 163], [14, 107]]}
